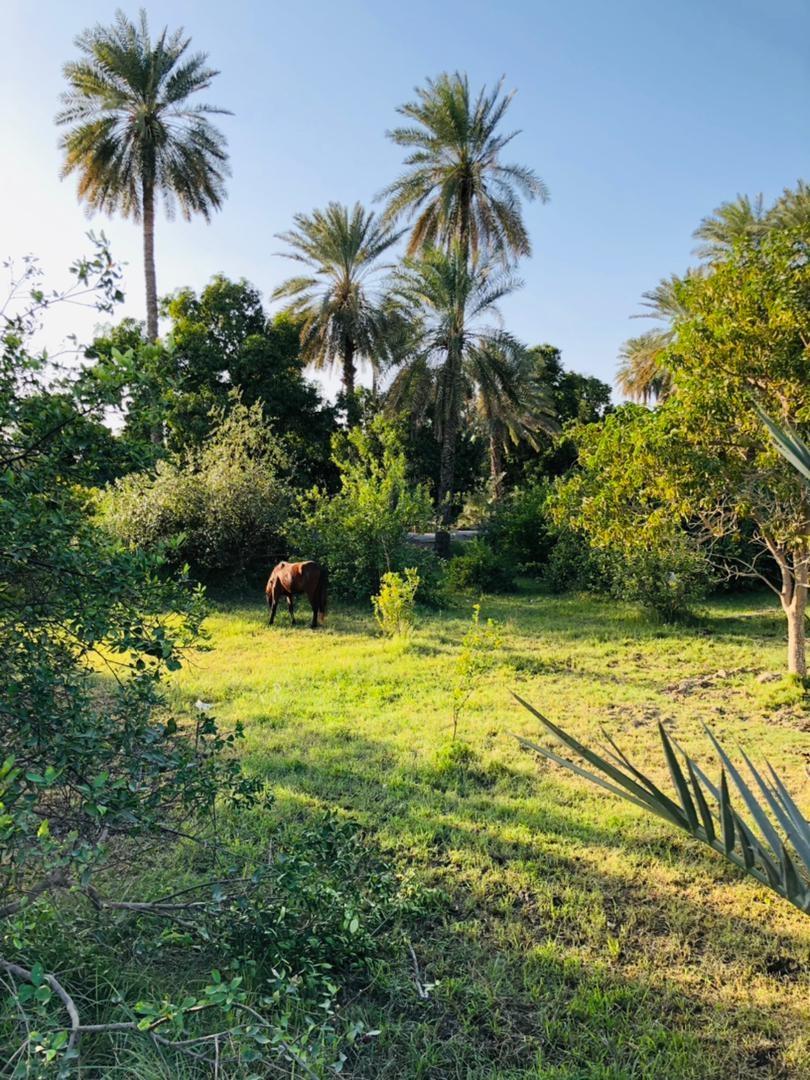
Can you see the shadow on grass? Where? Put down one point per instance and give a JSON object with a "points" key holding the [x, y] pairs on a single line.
{"points": [[546, 963]]}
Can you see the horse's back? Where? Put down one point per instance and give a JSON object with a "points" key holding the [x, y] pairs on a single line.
{"points": [[293, 577]]}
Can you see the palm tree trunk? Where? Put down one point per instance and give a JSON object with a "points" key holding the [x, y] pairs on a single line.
{"points": [[149, 258], [349, 373], [447, 461], [151, 280], [496, 467]]}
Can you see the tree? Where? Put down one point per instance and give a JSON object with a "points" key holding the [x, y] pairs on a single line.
{"points": [[455, 185], [746, 220], [743, 220], [572, 398], [134, 136], [343, 321], [643, 374], [360, 532], [703, 460], [447, 300], [93, 773], [220, 341]]}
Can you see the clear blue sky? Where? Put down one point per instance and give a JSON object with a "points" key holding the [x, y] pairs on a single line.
{"points": [[640, 115]]}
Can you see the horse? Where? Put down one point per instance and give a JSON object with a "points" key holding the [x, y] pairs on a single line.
{"points": [[289, 580]]}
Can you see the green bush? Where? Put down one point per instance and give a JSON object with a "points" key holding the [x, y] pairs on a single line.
{"points": [[394, 603], [518, 528], [574, 565], [360, 533], [220, 509], [668, 583], [479, 568]]}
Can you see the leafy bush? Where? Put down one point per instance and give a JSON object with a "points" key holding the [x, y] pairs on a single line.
{"points": [[479, 568], [668, 582], [394, 603], [573, 564], [360, 533], [221, 508], [94, 773], [519, 530]]}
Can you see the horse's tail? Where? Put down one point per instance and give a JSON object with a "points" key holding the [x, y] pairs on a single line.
{"points": [[320, 594]]}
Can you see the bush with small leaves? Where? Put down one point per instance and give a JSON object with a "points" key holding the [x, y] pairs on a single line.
{"points": [[394, 603]]}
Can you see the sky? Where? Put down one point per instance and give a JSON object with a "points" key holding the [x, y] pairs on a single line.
{"points": [[641, 116]]}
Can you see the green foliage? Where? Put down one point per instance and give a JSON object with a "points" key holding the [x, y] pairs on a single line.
{"points": [[221, 349], [221, 508], [394, 603], [574, 565], [479, 567], [703, 459], [456, 185], [519, 530], [705, 810], [341, 320], [667, 581], [360, 533], [93, 769], [476, 658]]}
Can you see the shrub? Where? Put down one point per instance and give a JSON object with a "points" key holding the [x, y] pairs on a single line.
{"points": [[574, 564], [519, 530], [668, 583], [394, 603], [221, 508], [479, 568], [361, 532]]}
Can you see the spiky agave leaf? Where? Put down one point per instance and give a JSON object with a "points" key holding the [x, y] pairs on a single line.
{"points": [[782, 864]]}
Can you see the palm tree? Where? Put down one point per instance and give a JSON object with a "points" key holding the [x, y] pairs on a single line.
{"points": [[343, 320], [643, 375], [792, 208], [732, 222], [455, 187], [133, 134], [447, 301], [510, 403]]}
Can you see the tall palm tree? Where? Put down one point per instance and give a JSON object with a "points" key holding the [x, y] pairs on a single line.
{"points": [[133, 134], [343, 319], [455, 187], [449, 301]]}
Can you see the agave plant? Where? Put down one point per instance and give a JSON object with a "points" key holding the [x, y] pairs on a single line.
{"points": [[705, 810]]}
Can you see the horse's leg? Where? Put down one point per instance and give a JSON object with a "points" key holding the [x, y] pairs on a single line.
{"points": [[314, 601], [290, 605], [272, 604]]}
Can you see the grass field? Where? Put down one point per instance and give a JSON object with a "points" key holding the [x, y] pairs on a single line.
{"points": [[571, 936]]}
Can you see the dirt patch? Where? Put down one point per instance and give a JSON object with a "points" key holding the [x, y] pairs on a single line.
{"points": [[684, 687]]}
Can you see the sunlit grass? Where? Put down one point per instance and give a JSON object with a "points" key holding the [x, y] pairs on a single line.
{"points": [[576, 937]]}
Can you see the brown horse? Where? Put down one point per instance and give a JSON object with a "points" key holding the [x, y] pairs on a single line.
{"points": [[289, 580]]}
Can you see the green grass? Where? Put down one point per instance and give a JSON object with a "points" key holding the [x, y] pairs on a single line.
{"points": [[571, 937]]}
